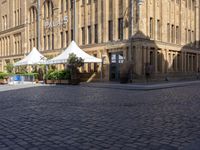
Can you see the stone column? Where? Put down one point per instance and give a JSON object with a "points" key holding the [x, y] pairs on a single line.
{"points": [[176, 62], [105, 20], [197, 61], [115, 20], [192, 63], [197, 24], [162, 61], [92, 9], [182, 61], [99, 21], [138, 59], [144, 58], [148, 54], [156, 60], [185, 62], [188, 62]]}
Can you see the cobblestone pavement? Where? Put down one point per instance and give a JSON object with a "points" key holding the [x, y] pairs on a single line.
{"points": [[85, 118]]}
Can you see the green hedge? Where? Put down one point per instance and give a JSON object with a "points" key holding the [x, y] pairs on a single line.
{"points": [[3, 75], [58, 75]]}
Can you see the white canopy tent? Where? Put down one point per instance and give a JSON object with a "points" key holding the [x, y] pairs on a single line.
{"points": [[33, 58], [73, 48]]}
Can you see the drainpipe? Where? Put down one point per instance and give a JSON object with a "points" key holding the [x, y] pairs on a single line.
{"points": [[130, 36], [38, 24], [74, 21]]}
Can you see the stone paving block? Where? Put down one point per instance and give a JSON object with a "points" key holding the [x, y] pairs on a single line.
{"points": [[67, 117]]}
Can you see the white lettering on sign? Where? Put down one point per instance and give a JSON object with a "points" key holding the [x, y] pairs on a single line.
{"points": [[56, 23]]}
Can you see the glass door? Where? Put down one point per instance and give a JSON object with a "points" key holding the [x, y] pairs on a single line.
{"points": [[115, 60]]}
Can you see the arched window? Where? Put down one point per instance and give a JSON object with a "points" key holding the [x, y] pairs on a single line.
{"points": [[67, 5], [48, 9], [48, 33], [32, 14], [32, 27], [61, 5]]}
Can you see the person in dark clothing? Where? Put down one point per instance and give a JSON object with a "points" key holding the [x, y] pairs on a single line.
{"points": [[147, 72]]}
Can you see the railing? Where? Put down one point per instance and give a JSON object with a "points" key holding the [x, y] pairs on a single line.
{"points": [[20, 79]]}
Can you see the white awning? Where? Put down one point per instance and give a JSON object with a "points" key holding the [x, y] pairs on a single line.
{"points": [[33, 58], [73, 48]]}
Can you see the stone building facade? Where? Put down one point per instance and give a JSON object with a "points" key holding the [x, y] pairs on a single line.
{"points": [[162, 33]]}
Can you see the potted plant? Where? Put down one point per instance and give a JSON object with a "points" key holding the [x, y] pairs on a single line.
{"points": [[74, 63], [3, 78], [9, 68], [64, 76], [49, 77]]}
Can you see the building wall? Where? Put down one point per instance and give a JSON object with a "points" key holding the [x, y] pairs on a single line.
{"points": [[164, 33], [172, 30]]}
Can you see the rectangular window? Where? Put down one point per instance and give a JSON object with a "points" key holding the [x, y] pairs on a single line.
{"points": [[83, 35], [172, 34], [158, 30], [89, 35], [96, 33], [189, 4], [120, 28], [177, 35], [193, 37], [62, 6], [72, 35], [30, 45], [110, 30], [151, 28], [3, 23], [185, 35], [49, 42], [66, 5], [44, 42], [72, 3], [67, 39], [61, 40], [89, 1], [189, 36], [193, 5], [33, 42], [168, 32], [52, 41]]}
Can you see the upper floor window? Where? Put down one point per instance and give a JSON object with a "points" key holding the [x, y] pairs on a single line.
{"points": [[48, 9], [89, 1], [66, 4], [71, 3], [151, 27], [62, 5], [120, 28]]}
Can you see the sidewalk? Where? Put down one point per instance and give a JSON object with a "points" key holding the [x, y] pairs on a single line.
{"points": [[9, 87], [141, 86]]}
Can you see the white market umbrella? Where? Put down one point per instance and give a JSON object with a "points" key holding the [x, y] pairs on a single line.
{"points": [[33, 58], [73, 48]]}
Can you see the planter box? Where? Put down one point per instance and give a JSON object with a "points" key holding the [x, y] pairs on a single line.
{"points": [[3, 81], [49, 82], [75, 81], [64, 81], [56, 81]]}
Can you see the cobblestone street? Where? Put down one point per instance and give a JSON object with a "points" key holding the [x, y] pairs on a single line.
{"points": [[85, 118]]}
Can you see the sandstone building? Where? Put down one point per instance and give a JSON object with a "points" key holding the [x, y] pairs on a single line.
{"points": [[162, 33]]}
